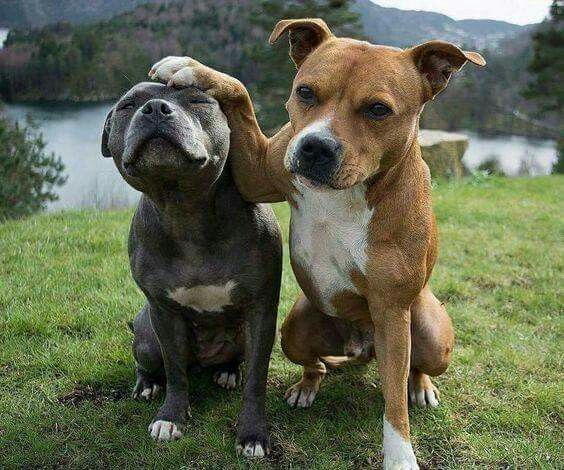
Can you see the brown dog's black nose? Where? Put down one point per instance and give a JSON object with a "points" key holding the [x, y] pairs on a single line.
{"points": [[157, 109], [317, 150]]}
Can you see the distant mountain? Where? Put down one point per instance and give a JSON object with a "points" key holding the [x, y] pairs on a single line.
{"points": [[409, 27], [37, 13]]}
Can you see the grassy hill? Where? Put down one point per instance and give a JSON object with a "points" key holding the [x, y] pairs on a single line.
{"points": [[66, 369]]}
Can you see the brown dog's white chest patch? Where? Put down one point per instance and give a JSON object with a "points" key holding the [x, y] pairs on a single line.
{"points": [[328, 239], [210, 298]]}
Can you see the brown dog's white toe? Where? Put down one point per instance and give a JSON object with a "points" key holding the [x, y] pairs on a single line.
{"points": [[301, 395]]}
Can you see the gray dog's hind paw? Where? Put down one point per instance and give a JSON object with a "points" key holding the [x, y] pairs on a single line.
{"points": [[145, 389], [227, 379]]}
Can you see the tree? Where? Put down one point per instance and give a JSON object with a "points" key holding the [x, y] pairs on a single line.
{"points": [[547, 66], [28, 175], [275, 70]]}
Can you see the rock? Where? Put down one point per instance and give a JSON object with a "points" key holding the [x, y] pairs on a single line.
{"points": [[443, 152]]}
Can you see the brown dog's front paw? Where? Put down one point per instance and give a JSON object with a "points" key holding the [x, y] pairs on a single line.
{"points": [[422, 392], [301, 395], [175, 71]]}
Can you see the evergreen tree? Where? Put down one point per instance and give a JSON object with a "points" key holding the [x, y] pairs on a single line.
{"points": [[28, 174], [547, 66]]}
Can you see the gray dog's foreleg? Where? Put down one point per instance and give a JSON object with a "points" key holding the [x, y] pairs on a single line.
{"points": [[171, 330], [252, 433]]}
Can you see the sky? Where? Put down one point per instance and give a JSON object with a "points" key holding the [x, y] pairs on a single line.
{"points": [[512, 11]]}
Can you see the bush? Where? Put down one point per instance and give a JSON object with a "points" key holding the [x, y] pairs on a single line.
{"points": [[28, 175], [491, 166]]}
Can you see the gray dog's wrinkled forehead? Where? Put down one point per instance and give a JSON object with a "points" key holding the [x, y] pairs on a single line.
{"points": [[150, 90]]}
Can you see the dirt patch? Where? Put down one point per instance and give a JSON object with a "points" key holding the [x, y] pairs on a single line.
{"points": [[90, 393]]}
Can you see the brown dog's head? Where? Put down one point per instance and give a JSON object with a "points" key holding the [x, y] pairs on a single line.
{"points": [[354, 106]]}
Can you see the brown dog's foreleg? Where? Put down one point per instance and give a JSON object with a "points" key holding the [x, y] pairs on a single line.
{"points": [[307, 336], [392, 346]]}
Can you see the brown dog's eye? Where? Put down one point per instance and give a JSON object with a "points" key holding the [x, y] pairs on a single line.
{"points": [[305, 94], [379, 111]]}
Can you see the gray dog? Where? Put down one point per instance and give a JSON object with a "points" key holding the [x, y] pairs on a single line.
{"points": [[208, 262]]}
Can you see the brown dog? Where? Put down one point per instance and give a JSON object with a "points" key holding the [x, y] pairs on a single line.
{"points": [[363, 236]]}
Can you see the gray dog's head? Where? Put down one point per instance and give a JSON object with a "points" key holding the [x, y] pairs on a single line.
{"points": [[160, 136]]}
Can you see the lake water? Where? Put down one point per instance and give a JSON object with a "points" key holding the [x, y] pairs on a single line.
{"points": [[514, 155], [74, 133]]}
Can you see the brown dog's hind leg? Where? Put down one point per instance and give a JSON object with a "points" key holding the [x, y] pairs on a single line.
{"points": [[307, 336], [431, 349]]}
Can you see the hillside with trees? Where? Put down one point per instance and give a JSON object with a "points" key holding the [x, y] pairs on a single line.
{"points": [[38, 13], [99, 61], [403, 28]]}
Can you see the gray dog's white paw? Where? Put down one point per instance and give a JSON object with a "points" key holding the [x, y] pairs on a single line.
{"points": [[145, 387], [253, 450], [148, 393], [165, 431]]}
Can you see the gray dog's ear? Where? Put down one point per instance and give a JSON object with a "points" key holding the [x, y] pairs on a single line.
{"points": [[438, 60], [106, 135], [305, 34]]}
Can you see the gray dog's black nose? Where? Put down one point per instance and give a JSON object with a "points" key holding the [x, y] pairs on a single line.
{"points": [[157, 109], [317, 150]]}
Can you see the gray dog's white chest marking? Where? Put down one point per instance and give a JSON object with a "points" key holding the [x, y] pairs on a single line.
{"points": [[212, 298]]}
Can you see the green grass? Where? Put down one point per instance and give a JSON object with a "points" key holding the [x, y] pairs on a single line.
{"points": [[66, 369]]}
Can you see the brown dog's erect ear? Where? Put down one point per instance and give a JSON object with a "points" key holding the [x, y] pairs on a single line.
{"points": [[305, 35], [106, 135], [437, 60]]}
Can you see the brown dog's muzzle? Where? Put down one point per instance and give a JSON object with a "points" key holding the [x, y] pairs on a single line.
{"points": [[316, 156]]}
